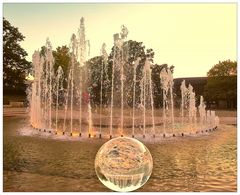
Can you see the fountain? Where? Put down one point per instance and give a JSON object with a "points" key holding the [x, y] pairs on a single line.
{"points": [[59, 87], [69, 110], [103, 67], [135, 65]]}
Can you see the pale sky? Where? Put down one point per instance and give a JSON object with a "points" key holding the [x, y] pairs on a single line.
{"points": [[191, 36]]}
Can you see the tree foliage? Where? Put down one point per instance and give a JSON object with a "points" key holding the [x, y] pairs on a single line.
{"points": [[224, 68], [131, 52], [222, 83], [62, 58], [15, 65]]}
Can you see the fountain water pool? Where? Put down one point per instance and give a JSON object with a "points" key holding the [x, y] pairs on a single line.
{"points": [[76, 114]]}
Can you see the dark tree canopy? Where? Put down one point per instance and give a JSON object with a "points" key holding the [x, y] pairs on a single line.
{"points": [[62, 58], [222, 83], [15, 65], [224, 68], [132, 50]]}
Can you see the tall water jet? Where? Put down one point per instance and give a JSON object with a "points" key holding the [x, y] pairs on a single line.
{"points": [[208, 118], [104, 62], [144, 98], [118, 66], [83, 46], [123, 33], [192, 107], [42, 88], [184, 96], [33, 104], [112, 88], [59, 87], [216, 121], [135, 65], [148, 82], [90, 123], [45, 92], [74, 54], [66, 94], [36, 116], [170, 77], [49, 68], [202, 111], [213, 116], [70, 84], [165, 87]]}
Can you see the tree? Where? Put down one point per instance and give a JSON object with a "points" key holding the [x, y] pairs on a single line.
{"points": [[224, 68], [222, 83], [131, 52], [62, 58], [15, 65], [95, 73]]}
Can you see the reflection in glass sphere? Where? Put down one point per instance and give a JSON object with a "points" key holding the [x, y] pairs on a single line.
{"points": [[123, 164]]}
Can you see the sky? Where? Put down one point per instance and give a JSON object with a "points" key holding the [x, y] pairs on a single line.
{"points": [[191, 36]]}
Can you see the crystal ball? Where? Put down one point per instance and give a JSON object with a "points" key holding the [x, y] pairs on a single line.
{"points": [[123, 164]]}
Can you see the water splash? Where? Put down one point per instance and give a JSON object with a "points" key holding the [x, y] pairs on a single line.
{"points": [[48, 90]]}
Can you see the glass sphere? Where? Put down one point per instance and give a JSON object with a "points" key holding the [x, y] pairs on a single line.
{"points": [[123, 164]]}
